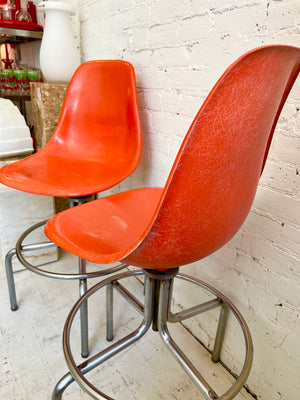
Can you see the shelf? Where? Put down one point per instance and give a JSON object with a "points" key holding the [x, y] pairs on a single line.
{"points": [[16, 36], [18, 32], [16, 97]]}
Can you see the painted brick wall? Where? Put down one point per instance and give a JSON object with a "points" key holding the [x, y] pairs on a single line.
{"points": [[179, 48]]}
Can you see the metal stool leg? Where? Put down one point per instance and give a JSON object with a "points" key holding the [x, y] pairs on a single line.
{"points": [[79, 371], [109, 312], [83, 311], [127, 295], [9, 268], [61, 386], [156, 281], [10, 279], [194, 374], [226, 305], [220, 333]]}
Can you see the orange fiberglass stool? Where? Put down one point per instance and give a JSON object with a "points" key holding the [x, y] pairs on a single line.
{"points": [[207, 197], [96, 145]]}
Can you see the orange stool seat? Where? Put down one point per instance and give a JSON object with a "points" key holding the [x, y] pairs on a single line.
{"points": [[113, 226], [50, 173], [97, 142]]}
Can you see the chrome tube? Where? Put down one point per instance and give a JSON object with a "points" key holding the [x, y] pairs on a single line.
{"points": [[193, 311], [9, 269], [220, 333], [164, 302], [77, 372], [109, 312], [176, 352], [83, 311], [10, 279], [129, 297], [236, 387], [61, 385]]}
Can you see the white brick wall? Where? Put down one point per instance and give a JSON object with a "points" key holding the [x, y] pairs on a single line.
{"points": [[179, 49]]}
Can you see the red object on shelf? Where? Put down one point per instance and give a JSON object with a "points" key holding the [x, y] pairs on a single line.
{"points": [[27, 26], [6, 51], [7, 61], [18, 5], [32, 11]]}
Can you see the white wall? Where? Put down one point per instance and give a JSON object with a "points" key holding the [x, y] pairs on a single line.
{"points": [[179, 49]]}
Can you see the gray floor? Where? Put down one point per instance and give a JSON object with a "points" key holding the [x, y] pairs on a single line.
{"points": [[31, 353]]}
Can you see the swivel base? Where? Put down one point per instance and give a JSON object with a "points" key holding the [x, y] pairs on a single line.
{"points": [[156, 313]]}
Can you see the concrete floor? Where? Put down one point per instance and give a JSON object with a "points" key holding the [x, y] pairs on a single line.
{"points": [[32, 361]]}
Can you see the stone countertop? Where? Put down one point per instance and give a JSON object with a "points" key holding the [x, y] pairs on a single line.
{"points": [[47, 100]]}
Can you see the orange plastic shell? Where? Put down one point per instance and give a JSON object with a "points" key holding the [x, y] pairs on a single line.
{"points": [[98, 139], [211, 186]]}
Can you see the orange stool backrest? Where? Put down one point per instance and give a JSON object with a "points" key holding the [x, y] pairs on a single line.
{"points": [[100, 115], [213, 181]]}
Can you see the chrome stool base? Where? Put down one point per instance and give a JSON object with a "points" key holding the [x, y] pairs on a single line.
{"points": [[156, 313], [82, 275]]}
